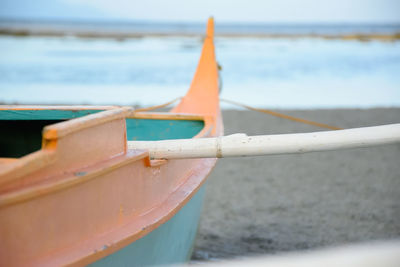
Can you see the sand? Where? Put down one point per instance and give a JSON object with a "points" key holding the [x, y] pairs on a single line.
{"points": [[271, 204]]}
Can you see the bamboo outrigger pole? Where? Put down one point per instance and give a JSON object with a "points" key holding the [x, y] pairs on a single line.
{"points": [[241, 145]]}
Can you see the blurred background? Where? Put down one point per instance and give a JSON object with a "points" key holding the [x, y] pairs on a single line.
{"points": [[278, 54], [335, 62]]}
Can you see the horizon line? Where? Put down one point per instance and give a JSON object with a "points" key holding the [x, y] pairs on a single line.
{"points": [[193, 23]]}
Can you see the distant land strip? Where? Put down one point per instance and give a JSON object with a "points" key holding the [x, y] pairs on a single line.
{"points": [[386, 37]]}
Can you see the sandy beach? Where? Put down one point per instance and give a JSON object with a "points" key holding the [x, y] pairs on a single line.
{"points": [[271, 204]]}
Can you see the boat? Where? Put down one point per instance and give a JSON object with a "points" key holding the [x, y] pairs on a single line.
{"points": [[73, 193]]}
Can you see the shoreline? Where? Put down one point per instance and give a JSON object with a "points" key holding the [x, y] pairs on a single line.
{"points": [[25, 32]]}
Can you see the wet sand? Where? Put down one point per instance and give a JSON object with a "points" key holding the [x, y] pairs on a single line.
{"points": [[271, 204]]}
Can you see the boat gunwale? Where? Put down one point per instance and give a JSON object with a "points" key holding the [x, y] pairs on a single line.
{"points": [[55, 107], [175, 201], [44, 187], [65, 181], [133, 114]]}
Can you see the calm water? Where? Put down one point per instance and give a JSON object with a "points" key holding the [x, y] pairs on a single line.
{"points": [[283, 73]]}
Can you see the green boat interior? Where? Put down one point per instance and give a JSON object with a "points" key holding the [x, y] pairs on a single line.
{"points": [[21, 130]]}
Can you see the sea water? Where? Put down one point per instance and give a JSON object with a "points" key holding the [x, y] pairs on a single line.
{"points": [[262, 72]]}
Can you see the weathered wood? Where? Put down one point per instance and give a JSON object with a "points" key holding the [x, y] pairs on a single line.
{"points": [[241, 145]]}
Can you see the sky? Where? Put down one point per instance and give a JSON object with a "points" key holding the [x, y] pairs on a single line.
{"points": [[250, 11]]}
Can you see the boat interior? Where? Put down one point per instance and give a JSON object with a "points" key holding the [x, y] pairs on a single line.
{"points": [[21, 130]]}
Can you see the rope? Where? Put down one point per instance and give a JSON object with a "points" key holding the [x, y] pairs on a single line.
{"points": [[220, 82], [267, 111], [283, 116], [158, 106]]}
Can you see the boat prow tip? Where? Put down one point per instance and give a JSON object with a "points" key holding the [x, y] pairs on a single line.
{"points": [[210, 27]]}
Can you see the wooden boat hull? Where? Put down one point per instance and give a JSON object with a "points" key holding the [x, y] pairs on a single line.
{"points": [[85, 198], [170, 243]]}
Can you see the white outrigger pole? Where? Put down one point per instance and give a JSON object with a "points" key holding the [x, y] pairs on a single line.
{"points": [[241, 145]]}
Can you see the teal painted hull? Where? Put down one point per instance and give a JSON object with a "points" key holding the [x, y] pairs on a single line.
{"points": [[172, 242]]}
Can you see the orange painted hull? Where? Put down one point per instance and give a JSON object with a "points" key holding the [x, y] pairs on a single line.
{"points": [[84, 195]]}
